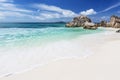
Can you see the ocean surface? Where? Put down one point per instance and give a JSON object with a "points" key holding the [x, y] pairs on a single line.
{"points": [[24, 46]]}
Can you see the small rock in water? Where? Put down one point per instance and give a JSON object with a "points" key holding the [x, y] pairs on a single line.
{"points": [[118, 31]]}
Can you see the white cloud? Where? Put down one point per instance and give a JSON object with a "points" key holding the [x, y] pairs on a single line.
{"points": [[55, 9], [88, 12], [12, 14], [52, 12], [9, 11], [6, 0], [111, 7], [12, 7]]}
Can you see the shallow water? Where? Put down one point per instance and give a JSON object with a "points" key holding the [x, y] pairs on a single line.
{"points": [[26, 45]]}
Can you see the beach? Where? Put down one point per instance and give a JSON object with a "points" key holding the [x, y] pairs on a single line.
{"points": [[25, 46], [59, 40], [102, 62]]}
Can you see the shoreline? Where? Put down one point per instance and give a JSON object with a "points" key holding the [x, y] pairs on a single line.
{"points": [[69, 69], [96, 46]]}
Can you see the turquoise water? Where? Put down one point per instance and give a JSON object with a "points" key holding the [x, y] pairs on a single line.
{"points": [[19, 34], [26, 45]]}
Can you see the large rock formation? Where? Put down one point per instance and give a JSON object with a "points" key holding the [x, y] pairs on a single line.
{"points": [[114, 22], [81, 21], [86, 23], [78, 21], [89, 25]]}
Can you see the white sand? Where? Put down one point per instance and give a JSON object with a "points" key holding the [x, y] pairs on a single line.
{"points": [[104, 64]]}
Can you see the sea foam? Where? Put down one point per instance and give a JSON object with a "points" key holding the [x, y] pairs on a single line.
{"points": [[24, 58]]}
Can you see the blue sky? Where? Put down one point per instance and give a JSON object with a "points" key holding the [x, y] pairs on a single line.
{"points": [[56, 10]]}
